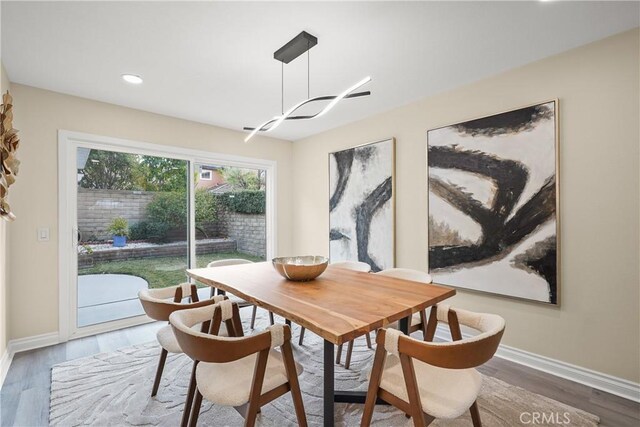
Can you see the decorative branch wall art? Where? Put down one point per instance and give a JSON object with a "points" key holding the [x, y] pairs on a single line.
{"points": [[9, 164], [361, 204], [493, 222]]}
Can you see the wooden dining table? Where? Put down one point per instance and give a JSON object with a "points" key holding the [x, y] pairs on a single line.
{"points": [[339, 305]]}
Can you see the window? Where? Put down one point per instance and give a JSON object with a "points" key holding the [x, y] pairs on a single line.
{"points": [[206, 175]]}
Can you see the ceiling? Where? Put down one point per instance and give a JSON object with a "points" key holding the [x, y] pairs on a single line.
{"points": [[213, 62]]}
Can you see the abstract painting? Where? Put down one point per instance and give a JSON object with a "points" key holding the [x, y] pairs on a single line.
{"points": [[361, 204], [493, 203]]}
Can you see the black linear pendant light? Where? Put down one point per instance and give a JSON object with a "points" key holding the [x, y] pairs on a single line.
{"points": [[287, 53]]}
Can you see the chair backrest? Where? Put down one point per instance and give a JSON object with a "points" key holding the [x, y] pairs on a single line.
{"points": [[232, 261], [407, 274], [353, 265], [458, 354], [218, 349], [159, 303]]}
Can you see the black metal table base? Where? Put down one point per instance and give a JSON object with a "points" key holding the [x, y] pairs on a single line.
{"points": [[330, 395]]}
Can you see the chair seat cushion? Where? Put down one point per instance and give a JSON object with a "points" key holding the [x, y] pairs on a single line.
{"points": [[168, 340], [444, 393], [230, 383]]}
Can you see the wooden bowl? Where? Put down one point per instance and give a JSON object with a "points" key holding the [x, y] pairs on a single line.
{"points": [[300, 268]]}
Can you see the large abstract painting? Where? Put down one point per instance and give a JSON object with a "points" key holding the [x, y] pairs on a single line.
{"points": [[493, 203], [361, 205]]}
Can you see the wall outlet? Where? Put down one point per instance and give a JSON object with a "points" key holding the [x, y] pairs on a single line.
{"points": [[43, 234]]}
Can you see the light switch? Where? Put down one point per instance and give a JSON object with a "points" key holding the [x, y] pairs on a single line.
{"points": [[43, 234]]}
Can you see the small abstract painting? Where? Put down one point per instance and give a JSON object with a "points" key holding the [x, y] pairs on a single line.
{"points": [[361, 205], [493, 222]]}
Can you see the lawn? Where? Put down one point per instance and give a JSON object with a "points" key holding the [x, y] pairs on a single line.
{"points": [[160, 272]]}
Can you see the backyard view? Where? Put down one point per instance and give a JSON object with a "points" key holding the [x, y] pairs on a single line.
{"points": [[133, 226]]}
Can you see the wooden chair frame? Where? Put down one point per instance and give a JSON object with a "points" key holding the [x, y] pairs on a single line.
{"points": [[212, 350], [158, 310], [461, 356]]}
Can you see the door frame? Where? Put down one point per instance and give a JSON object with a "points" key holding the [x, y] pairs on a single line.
{"points": [[68, 143]]}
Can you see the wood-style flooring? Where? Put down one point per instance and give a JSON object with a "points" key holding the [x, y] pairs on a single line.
{"points": [[24, 398]]}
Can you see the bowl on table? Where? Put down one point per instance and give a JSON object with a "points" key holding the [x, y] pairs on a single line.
{"points": [[300, 268]]}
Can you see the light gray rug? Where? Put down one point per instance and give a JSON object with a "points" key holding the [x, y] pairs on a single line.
{"points": [[113, 389]]}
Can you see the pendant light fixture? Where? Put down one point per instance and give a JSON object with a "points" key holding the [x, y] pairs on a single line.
{"points": [[300, 44]]}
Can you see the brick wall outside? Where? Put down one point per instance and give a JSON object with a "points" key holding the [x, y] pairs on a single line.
{"points": [[249, 231], [165, 250], [97, 208]]}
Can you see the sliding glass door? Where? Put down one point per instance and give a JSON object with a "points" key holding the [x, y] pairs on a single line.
{"points": [[133, 231], [134, 216]]}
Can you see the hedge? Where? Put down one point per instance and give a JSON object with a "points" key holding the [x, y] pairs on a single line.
{"points": [[246, 202]]}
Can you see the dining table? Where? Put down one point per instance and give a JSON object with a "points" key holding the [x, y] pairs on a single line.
{"points": [[339, 306]]}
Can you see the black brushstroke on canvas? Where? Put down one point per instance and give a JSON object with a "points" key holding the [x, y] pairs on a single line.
{"points": [[344, 160], [510, 122], [509, 176], [364, 215], [337, 235], [541, 259], [498, 233]]}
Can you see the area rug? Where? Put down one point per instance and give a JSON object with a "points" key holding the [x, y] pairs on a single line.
{"points": [[113, 389]]}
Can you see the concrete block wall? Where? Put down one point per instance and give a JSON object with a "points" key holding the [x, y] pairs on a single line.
{"points": [[97, 208]]}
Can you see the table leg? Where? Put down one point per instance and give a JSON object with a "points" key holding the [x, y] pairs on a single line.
{"points": [[404, 325], [328, 384]]}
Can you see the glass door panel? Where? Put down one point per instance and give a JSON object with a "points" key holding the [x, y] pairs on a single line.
{"points": [[133, 230], [230, 205]]}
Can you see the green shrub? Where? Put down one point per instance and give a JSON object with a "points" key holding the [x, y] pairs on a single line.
{"points": [[168, 210], [247, 202], [119, 227], [151, 231]]}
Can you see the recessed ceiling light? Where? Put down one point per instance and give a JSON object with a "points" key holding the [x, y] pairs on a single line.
{"points": [[132, 78]]}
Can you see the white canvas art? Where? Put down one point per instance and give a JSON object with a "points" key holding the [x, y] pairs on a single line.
{"points": [[361, 206], [492, 204]]}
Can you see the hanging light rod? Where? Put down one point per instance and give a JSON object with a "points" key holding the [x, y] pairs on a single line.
{"points": [[287, 53]]}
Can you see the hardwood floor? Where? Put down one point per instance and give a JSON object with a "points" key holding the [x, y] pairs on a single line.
{"points": [[24, 398]]}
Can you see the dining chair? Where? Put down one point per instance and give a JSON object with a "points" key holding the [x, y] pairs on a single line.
{"points": [[419, 319], [355, 266], [158, 304], [429, 380], [244, 372], [241, 303]]}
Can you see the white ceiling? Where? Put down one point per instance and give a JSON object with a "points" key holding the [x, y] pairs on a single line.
{"points": [[213, 62]]}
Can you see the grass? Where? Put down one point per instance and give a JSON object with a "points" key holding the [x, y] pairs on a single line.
{"points": [[160, 272]]}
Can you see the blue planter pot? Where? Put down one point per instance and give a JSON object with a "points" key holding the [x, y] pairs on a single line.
{"points": [[119, 241]]}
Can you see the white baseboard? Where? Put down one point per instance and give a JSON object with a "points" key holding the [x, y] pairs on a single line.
{"points": [[5, 362], [30, 343], [608, 383]]}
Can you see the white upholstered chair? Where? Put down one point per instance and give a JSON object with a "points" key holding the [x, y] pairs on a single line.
{"points": [[241, 303], [419, 319], [242, 371], [429, 380], [158, 304]]}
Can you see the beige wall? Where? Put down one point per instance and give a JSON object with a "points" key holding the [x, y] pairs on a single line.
{"points": [[4, 86], [597, 325], [39, 114]]}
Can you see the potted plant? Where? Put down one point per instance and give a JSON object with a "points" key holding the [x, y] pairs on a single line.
{"points": [[119, 228]]}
